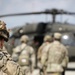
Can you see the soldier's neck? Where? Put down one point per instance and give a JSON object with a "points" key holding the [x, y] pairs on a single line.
{"points": [[47, 42]]}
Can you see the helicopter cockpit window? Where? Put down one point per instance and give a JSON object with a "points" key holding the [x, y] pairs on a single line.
{"points": [[68, 39]]}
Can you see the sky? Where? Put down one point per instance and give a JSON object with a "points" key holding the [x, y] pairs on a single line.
{"points": [[23, 6]]}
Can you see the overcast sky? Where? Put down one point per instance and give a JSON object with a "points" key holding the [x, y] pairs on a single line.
{"points": [[22, 6]]}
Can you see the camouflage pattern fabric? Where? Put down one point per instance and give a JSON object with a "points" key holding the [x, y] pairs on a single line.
{"points": [[40, 49], [27, 57], [7, 66], [54, 73], [55, 57], [40, 53]]}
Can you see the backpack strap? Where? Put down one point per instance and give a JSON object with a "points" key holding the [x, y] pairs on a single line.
{"points": [[21, 50]]}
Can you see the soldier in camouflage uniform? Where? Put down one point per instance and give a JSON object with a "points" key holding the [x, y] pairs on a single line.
{"points": [[25, 55], [55, 58], [7, 66], [47, 40]]}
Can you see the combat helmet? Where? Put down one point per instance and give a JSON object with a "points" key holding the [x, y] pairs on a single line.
{"points": [[24, 38], [47, 38], [57, 35], [3, 31]]}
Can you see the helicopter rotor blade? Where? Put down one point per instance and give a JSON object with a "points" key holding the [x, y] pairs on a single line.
{"points": [[65, 12], [52, 12], [21, 14], [69, 13]]}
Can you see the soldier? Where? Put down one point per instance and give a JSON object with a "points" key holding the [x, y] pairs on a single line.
{"points": [[47, 40], [25, 55], [7, 66], [55, 58]]}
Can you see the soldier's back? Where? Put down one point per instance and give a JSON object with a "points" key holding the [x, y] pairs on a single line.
{"points": [[27, 59], [56, 55]]}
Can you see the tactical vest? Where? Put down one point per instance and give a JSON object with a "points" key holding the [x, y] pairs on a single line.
{"points": [[7, 66], [56, 55], [4, 57], [40, 50], [16, 54], [24, 57]]}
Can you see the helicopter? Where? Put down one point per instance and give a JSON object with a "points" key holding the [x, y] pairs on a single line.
{"points": [[37, 31]]}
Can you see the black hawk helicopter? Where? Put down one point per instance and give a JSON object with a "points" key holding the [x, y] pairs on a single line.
{"points": [[37, 31]]}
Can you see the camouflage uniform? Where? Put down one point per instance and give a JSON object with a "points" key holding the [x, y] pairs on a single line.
{"points": [[47, 40], [25, 55], [55, 57], [7, 66]]}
